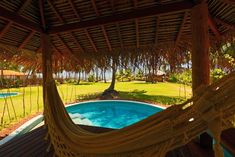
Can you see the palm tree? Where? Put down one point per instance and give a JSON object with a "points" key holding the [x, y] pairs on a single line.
{"points": [[110, 92]]}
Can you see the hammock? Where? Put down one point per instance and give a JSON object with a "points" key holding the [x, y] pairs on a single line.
{"points": [[212, 110]]}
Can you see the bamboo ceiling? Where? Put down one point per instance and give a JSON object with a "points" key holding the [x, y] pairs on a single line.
{"points": [[84, 28]]}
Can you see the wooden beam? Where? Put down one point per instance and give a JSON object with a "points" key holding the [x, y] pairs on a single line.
{"points": [[25, 4], [74, 9], [17, 19], [55, 11], [91, 41], [26, 40], [41, 7], [180, 30], [134, 13], [213, 27], [76, 42], [5, 29], [157, 27]]}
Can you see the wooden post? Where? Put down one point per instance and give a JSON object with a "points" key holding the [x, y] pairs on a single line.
{"points": [[46, 58], [200, 54]]}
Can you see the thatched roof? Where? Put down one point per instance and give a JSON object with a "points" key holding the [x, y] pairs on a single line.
{"points": [[85, 28]]}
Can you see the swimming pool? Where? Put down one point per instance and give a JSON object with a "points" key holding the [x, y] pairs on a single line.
{"points": [[111, 114], [4, 95], [114, 114]]}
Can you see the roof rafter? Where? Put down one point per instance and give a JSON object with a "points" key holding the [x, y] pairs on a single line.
{"points": [[17, 19], [136, 26], [117, 25], [137, 33], [66, 46], [5, 29], [119, 35], [213, 27], [106, 38], [91, 41], [55, 11], [41, 7], [135, 13], [230, 2], [21, 9], [112, 5], [74, 9], [76, 42], [180, 30], [26, 40], [157, 27], [226, 24], [39, 49], [61, 20], [56, 50], [95, 8], [102, 26]]}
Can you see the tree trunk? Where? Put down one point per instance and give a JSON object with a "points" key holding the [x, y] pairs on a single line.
{"points": [[112, 85], [97, 74], [105, 81], [79, 77], [1, 73]]}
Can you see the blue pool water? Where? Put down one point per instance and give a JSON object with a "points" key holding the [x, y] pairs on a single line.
{"points": [[4, 95], [111, 114]]}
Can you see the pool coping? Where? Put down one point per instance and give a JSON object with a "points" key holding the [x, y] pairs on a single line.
{"points": [[29, 125], [138, 102]]}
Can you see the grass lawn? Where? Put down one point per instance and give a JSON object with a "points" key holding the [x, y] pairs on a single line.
{"points": [[163, 93]]}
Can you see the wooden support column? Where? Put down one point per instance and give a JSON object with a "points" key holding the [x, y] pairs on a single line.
{"points": [[200, 55], [46, 59]]}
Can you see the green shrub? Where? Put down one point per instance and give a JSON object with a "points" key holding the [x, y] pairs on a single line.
{"points": [[91, 78], [216, 74], [173, 78], [185, 77]]}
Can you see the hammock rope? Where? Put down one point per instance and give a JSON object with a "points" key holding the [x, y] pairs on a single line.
{"points": [[212, 109]]}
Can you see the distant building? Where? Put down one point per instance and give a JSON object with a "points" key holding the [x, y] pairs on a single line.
{"points": [[10, 74], [158, 77]]}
